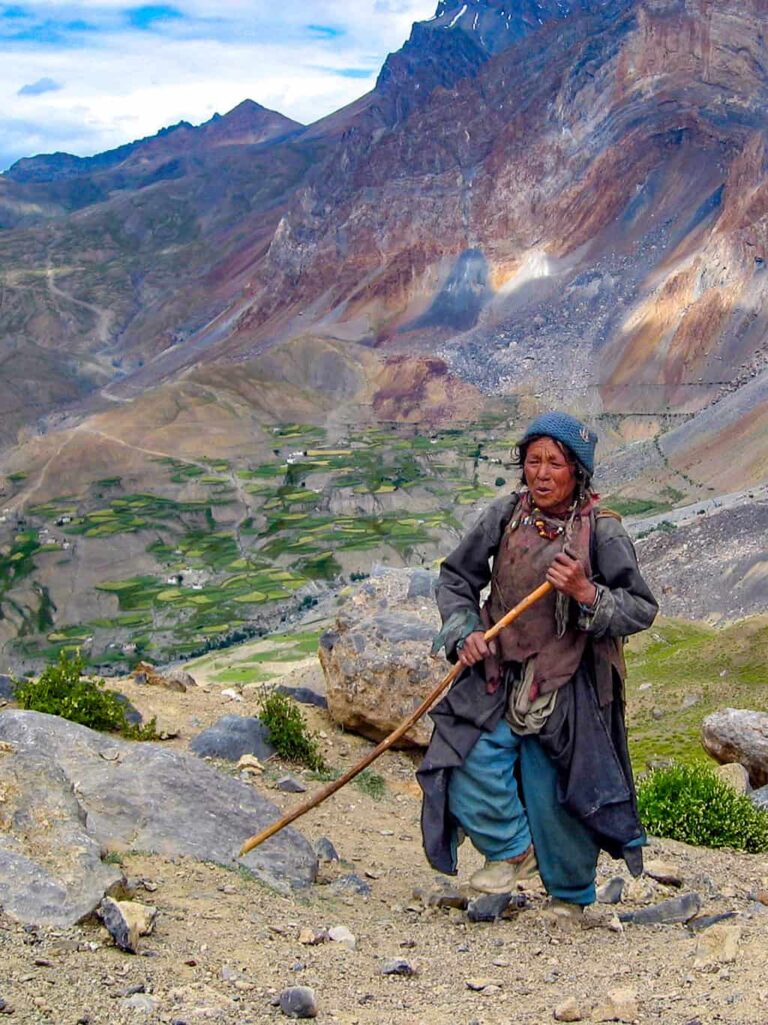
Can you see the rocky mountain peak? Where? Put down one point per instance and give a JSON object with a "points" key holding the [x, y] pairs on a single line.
{"points": [[464, 34]]}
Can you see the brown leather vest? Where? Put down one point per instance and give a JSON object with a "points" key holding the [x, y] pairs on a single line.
{"points": [[520, 566]]}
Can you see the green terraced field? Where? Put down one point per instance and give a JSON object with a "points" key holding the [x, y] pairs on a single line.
{"points": [[246, 537]]}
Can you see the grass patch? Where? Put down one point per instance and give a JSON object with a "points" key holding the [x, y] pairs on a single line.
{"points": [[693, 670]]}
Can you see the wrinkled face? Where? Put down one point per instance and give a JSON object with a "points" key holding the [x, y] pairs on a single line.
{"points": [[550, 474]]}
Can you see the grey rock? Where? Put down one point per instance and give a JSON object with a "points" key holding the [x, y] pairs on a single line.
{"points": [[298, 1002], [132, 714], [181, 676], [397, 966], [735, 775], [95, 791], [141, 1002], [760, 798], [6, 688], [118, 927], [233, 736], [612, 891], [289, 785], [325, 850], [491, 906], [422, 584], [667, 912], [304, 695], [350, 885], [739, 735]]}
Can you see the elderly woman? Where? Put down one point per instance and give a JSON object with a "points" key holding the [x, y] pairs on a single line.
{"points": [[529, 755]]}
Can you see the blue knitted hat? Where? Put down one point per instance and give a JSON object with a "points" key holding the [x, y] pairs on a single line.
{"points": [[566, 429]]}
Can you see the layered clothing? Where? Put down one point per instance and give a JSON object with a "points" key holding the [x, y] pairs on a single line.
{"points": [[556, 648]]}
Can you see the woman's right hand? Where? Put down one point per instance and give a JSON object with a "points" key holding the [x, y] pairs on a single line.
{"points": [[475, 649]]}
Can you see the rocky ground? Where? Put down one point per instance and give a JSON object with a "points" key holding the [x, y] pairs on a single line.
{"points": [[225, 946]]}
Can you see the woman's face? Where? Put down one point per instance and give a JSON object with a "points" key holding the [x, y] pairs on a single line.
{"points": [[550, 475]]}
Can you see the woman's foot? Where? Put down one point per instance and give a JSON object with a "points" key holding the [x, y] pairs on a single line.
{"points": [[502, 876]]}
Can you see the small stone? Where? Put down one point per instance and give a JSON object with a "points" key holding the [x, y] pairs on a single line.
{"points": [[351, 884], [140, 1002], [181, 676], [125, 921], [664, 872], [250, 763], [489, 907], [289, 785], [611, 892], [735, 776], [717, 945], [441, 897], [298, 1002], [619, 1005], [341, 934], [668, 912], [759, 797], [639, 891], [398, 966], [325, 850], [568, 1010], [702, 922], [477, 985], [304, 695]]}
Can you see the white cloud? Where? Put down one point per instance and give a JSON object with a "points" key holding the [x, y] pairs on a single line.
{"points": [[121, 82]]}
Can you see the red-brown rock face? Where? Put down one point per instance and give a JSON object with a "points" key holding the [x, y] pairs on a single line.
{"points": [[567, 199]]}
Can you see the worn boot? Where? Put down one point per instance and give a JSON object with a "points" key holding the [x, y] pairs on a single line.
{"points": [[563, 914], [501, 876]]}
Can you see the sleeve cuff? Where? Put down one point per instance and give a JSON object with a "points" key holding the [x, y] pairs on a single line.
{"points": [[595, 619]]}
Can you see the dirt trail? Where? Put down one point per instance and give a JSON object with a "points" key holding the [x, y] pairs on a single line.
{"points": [[225, 945]]}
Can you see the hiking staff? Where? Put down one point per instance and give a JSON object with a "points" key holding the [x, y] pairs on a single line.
{"points": [[393, 737]]}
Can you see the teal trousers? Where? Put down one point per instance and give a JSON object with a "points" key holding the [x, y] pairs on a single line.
{"points": [[484, 799]]}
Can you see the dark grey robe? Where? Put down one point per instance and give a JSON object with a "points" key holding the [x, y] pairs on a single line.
{"points": [[586, 735]]}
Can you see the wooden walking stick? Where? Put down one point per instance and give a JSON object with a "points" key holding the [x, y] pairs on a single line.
{"points": [[403, 728]]}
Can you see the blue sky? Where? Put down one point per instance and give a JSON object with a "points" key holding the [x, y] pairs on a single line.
{"points": [[85, 77]]}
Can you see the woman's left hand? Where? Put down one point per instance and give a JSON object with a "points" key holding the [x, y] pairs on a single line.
{"points": [[567, 574]]}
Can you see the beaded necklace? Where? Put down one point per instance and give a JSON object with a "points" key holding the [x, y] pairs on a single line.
{"points": [[547, 527]]}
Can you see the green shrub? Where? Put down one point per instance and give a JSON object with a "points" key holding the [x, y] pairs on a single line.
{"points": [[62, 690], [691, 803], [288, 731], [371, 783]]}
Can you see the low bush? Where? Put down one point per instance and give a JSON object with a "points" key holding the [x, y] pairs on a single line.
{"points": [[61, 689], [371, 783], [693, 804], [288, 731]]}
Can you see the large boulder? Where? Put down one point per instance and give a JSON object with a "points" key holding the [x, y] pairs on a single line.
{"points": [[738, 735], [376, 657], [68, 794]]}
